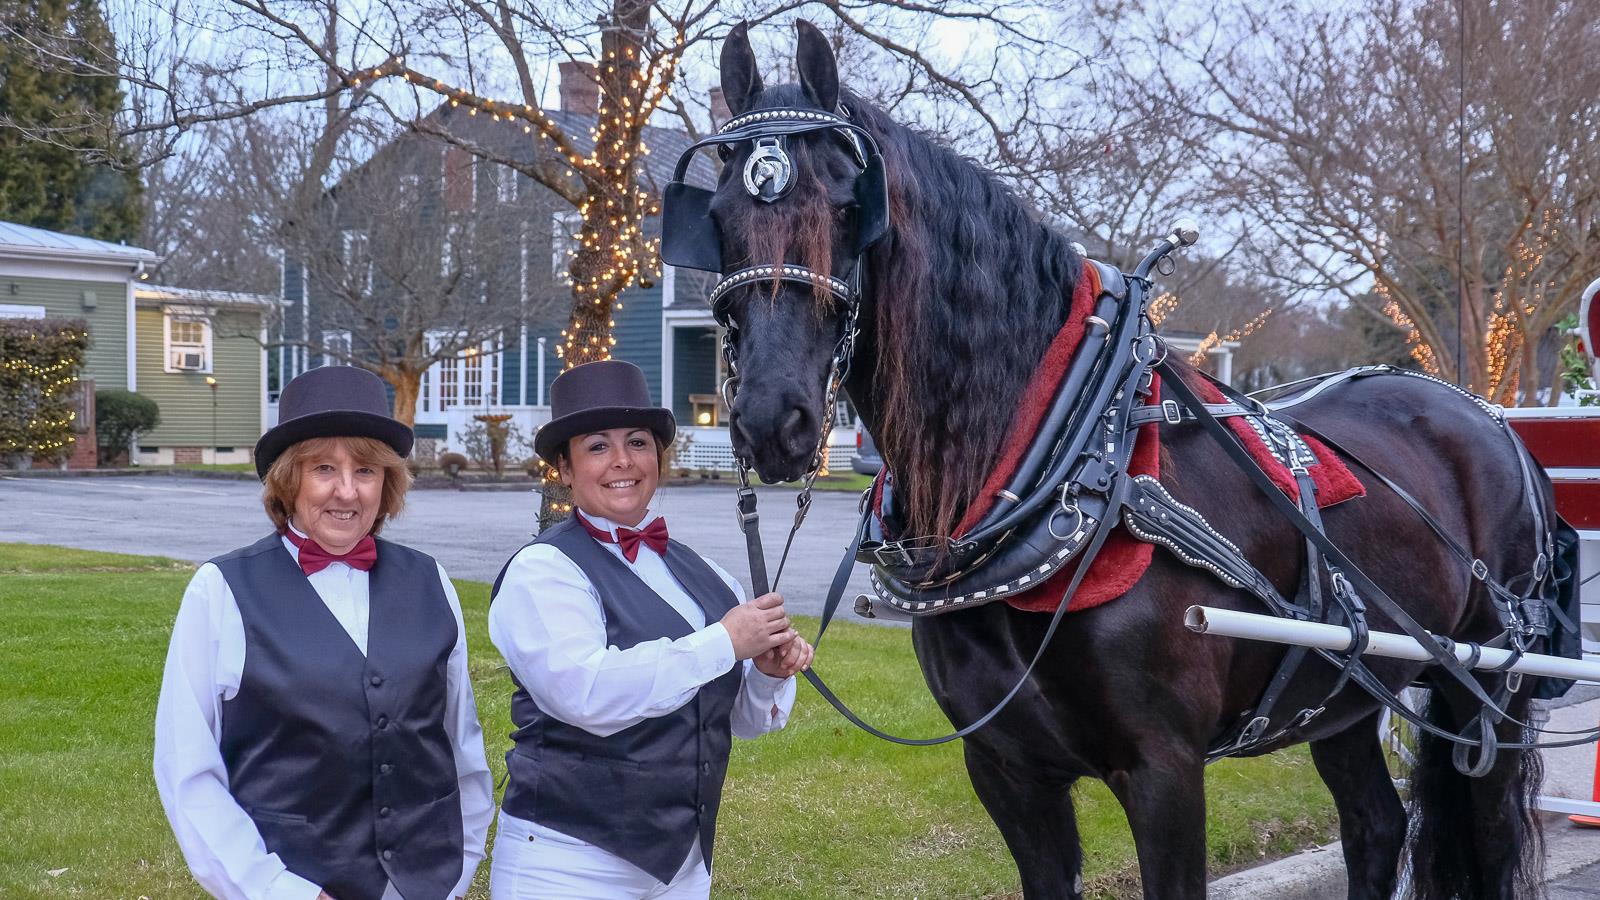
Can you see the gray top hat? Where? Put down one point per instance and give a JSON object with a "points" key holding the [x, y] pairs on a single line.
{"points": [[332, 401], [596, 396]]}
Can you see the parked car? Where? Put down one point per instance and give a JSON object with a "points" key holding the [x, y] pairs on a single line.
{"points": [[866, 461]]}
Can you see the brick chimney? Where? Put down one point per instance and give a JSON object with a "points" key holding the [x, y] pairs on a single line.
{"points": [[719, 108], [580, 92]]}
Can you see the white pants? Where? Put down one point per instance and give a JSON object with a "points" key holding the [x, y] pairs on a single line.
{"points": [[532, 862]]}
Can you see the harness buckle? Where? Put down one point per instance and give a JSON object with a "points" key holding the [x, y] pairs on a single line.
{"points": [[1252, 732], [890, 554], [1306, 715], [1171, 412], [745, 509], [1480, 570]]}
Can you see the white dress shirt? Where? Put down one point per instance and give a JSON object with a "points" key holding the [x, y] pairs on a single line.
{"points": [[550, 626], [205, 661]]}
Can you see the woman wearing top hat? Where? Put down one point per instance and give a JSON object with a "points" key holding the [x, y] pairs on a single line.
{"points": [[316, 735], [633, 659]]}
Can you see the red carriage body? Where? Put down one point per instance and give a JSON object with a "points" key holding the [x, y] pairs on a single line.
{"points": [[1566, 441]]}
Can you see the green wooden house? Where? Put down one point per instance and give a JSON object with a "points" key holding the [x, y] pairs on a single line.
{"points": [[197, 354]]}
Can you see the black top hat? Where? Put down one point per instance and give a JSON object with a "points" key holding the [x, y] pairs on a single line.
{"points": [[596, 396], [332, 401]]}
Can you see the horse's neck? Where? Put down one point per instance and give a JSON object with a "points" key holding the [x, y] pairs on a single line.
{"points": [[996, 325]]}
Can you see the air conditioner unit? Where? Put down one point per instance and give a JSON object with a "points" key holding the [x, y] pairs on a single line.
{"points": [[188, 359]]}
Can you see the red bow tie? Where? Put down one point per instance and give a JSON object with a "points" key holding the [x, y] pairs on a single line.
{"points": [[314, 559], [653, 535]]}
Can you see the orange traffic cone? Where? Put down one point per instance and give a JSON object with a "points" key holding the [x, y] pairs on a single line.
{"points": [[1591, 821]]}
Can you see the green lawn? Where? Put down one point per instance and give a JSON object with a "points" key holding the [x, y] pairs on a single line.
{"points": [[819, 810]]}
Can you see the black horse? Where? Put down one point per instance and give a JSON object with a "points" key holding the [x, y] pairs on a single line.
{"points": [[961, 299]]}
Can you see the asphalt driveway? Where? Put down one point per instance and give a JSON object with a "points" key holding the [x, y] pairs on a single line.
{"points": [[471, 532]]}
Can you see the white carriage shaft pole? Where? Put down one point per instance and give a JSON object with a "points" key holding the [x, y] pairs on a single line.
{"points": [[1259, 627]]}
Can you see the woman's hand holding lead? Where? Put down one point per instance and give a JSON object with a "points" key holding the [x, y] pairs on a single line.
{"points": [[758, 626], [788, 660]]}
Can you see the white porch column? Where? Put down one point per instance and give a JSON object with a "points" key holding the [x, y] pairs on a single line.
{"points": [[1224, 357], [541, 371]]}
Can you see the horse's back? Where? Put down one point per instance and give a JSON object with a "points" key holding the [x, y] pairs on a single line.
{"points": [[1452, 452]]}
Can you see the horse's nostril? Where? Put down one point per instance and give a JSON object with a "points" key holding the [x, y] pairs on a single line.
{"points": [[737, 431], [793, 423]]}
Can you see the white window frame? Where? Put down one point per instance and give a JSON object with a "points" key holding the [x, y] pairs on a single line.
{"points": [[205, 348], [447, 256], [566, 233], [505, 184], [16, 311], [356, 247], [340, 337], [486, 360]]}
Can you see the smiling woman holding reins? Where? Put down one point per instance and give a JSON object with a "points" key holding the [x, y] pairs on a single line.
{"points": [[633, 659], [316, 735]]}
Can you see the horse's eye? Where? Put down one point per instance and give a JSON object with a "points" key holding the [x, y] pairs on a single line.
{"points": [[724, 152]]}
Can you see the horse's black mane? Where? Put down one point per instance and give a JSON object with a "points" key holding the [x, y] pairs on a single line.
{"points": [[969, 289]]}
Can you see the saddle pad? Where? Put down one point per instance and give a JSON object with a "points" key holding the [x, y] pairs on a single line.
{"points": [[1123, 559]]}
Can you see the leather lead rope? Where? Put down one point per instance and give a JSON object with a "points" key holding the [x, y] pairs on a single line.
{"points": [[1102, 531]]}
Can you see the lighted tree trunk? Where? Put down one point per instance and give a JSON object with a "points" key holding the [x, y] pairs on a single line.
{"points": [[613, 252]]}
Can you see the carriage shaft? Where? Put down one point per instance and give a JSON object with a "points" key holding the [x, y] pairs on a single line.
{"points": [[1255, 626]]}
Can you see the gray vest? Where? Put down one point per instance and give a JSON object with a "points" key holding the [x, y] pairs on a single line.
{"points": [[647, 791], [343, 761]]}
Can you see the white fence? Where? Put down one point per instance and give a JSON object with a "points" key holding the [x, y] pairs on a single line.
{"points": [[458, 419], [711, 450]]}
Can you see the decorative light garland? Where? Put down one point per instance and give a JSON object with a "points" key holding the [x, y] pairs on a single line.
{"points": [[49, 434], [1213, 340], [641, 87]]}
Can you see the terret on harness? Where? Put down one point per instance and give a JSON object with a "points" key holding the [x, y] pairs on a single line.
{"points": [[1072, 488]]}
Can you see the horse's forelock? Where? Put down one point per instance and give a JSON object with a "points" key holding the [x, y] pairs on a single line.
{"points": [[797, 229]]}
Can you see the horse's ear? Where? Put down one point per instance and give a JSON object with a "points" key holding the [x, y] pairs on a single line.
{"points": [[819, 73], [741, 82]]}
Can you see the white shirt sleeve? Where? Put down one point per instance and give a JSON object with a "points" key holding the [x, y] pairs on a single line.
{"points": [[548, 623], [764, 703], [466, 741], [218, 839]]}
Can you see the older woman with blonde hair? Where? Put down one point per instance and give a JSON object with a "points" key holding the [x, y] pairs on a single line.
{"points": [[316, 735]]}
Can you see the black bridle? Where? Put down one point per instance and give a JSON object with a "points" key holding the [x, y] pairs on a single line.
{"points": [[690, 239]]}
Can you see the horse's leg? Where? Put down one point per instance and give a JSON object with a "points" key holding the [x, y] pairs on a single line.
{"points": [[1372, 820], [1506, 832], [1165, 798], [1037, 821], [1475, 837]]}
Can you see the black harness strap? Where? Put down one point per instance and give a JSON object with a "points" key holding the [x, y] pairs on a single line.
{"points": [[750, 524], [1102, 531], [1275, 497], [1295, 655], [1241, 459]]}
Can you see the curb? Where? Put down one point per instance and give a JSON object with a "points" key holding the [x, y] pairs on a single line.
{"points": [[1318, 873], [1315, 874]]}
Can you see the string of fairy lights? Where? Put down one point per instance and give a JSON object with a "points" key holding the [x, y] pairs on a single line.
{"points": [[1166, 302], [1214, 340], [612, 252], [1518, 296], [45, 435]]}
